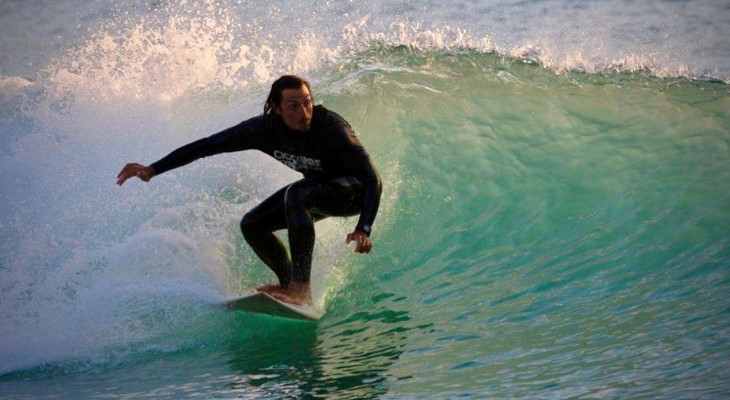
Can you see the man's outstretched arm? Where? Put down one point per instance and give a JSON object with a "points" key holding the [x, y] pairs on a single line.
{"points": [[232, 139]]}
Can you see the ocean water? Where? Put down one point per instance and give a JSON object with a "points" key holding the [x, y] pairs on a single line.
{"points": [[554, 223]]}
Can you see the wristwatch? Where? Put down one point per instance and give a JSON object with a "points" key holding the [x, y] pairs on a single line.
{"points": [[366, 229]]}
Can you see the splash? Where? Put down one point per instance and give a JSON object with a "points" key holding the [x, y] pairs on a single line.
{"points": [[181, 49], [160, 57]]}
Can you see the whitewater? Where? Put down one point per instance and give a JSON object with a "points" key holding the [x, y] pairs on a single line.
{"points": [[554, 221]]}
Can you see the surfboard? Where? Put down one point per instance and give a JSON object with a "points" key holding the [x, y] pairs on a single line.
{"points": [[257, 302]]}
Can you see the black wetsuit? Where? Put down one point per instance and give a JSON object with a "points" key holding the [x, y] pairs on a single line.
{"points": [[339, 180]]}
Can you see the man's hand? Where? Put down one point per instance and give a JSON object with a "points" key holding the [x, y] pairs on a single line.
{"points": [[142, 172], [362, 241]]}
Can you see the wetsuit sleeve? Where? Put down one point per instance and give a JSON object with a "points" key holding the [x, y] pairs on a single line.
{"points": [[355, 158], [236, 138]]}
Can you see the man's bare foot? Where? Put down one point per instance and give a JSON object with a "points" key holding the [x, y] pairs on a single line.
{"points": [[269, 288], [296, 293]]}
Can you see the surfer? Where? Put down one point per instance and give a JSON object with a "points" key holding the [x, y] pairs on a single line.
{"points": [[339, 180]]}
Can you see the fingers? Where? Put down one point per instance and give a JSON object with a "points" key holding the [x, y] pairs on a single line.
{"points": [[133, 169], [124, 174], [364, 247], [127, 172], [362, 242]]}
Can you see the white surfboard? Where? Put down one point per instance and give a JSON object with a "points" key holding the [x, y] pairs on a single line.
{"points": [[257, 302]]}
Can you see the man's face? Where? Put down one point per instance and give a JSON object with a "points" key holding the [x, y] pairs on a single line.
{"points": [[296, 108]]}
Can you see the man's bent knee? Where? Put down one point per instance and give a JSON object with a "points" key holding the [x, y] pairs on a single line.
{"points": [[294, 196], [248, 229]]}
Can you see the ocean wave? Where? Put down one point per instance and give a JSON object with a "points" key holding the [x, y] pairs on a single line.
{"points": [[184, 48]]}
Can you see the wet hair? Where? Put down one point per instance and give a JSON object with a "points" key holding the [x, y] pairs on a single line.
{"points": [[277, 90]]}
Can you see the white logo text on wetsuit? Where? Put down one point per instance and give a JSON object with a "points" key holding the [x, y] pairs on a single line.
{"points": [[298, 163]]}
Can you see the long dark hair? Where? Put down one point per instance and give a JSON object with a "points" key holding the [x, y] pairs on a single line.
{"points": [[277, 89]]}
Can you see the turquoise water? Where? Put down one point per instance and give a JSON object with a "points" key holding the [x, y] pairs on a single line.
{"points": [[545, 232]]}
